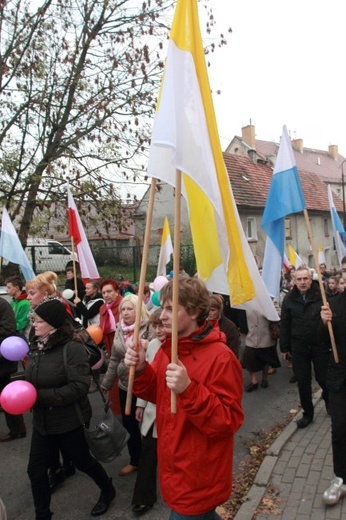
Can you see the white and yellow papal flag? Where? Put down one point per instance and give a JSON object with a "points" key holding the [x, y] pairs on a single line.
{"points": [[185, 138], [321, 256], [166, 249], [293, 257]]}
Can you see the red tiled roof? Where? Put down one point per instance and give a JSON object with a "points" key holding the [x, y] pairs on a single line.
{"points": [[310, 160], [250, 184]]}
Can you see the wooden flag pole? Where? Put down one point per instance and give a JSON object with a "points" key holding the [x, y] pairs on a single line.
{"points": [[176, 266], [142, 277], [74, 268], [320, 281]]}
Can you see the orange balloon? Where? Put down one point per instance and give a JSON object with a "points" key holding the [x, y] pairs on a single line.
{"points": [[96, 333]]}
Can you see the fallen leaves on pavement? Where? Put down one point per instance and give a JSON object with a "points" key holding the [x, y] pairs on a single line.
{"points": [[243, 481]]}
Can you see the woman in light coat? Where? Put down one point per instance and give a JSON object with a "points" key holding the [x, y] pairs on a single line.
{"points": [[260, 348], [117, 369]]}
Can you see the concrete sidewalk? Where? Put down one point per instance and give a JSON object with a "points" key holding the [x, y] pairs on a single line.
{"points": [[295, 472]]}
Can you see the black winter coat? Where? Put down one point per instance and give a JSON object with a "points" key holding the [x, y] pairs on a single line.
{"points": [[300, 320], [54, 411], [7, 329], [336, 377], [89, 308]]}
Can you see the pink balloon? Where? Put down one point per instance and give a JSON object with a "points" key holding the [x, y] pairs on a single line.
{"points": [[14, 348], [18, 397], [100, 362], [159, 282]]}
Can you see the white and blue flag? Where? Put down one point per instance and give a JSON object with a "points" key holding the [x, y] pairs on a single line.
{"points": [[338, 229], [285, 196], [11, 249]]}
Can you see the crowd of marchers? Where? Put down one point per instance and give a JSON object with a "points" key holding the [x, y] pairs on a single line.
{"points": [[206, 380]]}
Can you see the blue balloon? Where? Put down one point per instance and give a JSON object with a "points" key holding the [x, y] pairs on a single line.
{"points": [[171, 274], [155, 298]]}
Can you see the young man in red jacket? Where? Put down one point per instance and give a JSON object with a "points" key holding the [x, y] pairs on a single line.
{"points": [[195, 445]]}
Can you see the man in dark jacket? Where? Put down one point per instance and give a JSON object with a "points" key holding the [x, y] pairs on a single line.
{"points": [[335, 312], [15, 423], [300, 321]]}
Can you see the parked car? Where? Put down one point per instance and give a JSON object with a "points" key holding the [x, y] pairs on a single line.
{"points": [[48, 255]]}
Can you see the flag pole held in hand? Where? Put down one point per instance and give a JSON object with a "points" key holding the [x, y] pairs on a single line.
{"points": [[142, 277]]}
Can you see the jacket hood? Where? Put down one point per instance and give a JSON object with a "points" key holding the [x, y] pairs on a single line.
{"points": [[59, 337], [97, 296], [22, 296], [209, 332]]}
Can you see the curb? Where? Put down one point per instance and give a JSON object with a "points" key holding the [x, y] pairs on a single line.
{"points": [[259, 486]]}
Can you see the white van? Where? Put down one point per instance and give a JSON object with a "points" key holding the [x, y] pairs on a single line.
{"points": [[48, 255]]}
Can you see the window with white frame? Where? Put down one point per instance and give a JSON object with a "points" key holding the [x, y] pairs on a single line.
{"points": [[251, 228], [326, 227]]}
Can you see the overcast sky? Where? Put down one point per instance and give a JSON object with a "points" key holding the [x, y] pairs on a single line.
{"points": [[284, 64]]}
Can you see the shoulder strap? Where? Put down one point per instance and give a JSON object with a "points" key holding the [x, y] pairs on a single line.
{"points": [[76, 405]]}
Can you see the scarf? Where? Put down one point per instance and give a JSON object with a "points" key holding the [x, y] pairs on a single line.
{"points": [[128, 331], [41, 342], [109, 325]]}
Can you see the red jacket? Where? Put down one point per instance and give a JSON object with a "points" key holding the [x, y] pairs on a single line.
{"points": [[195, 445]]}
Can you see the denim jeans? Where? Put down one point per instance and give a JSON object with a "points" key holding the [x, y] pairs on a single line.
{"points": [[211, 515]]}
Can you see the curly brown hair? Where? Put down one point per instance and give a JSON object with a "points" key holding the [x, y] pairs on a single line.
{"points": [[193, 296]]}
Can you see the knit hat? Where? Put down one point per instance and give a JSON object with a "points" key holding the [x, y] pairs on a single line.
{"points": [[52, 312]]}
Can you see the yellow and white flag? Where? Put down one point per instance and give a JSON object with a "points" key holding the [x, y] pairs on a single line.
{"points": [[321, 256], [293, 257], [185, 138], [166, 249]]}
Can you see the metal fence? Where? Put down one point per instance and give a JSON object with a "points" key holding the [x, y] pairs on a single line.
{"points": [[112, 261], [126, 261]]}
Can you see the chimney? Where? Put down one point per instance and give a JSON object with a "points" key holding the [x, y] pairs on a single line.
{"points": [[298, 145], [248, 135], [333, 151]]}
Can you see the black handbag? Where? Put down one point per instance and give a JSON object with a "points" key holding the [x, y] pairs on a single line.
{"points": [[108, 438]]}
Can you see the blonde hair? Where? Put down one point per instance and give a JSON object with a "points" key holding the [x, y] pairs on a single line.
{"points": [[133, 298], [44, 282]]}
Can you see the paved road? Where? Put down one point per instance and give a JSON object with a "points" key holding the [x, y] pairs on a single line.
{"points": [[76, 497], [263, 408]]}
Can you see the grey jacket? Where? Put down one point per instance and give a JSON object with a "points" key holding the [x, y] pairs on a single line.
{"points": [[117, 367], [149, 414]]}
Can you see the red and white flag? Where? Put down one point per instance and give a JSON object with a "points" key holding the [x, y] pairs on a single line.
{"points": [[286, 263], [86, 260]]}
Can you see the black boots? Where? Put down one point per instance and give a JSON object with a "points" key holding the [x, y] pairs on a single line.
{"points": [[104, 501]]}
